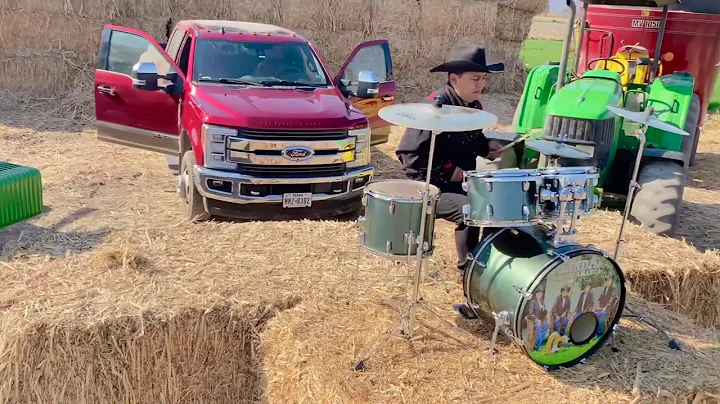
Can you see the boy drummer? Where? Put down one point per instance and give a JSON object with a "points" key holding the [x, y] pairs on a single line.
{"points": [[455, 152]]}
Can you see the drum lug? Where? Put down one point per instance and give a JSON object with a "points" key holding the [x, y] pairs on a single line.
{"points": [[503, 317], [466, 210], [464, 186], [392, 207], [489, 186], [363, 235], [388, 247], [525, 212], [554, 253], [489, 210], [361, 222], [524, 293], [363, 200], [409, 238], [526, 186]]}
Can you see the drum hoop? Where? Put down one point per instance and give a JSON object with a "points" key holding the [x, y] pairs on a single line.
{"points": [[468, 273], [504, 174], [561, 171], [386, 197], [523, 301]]}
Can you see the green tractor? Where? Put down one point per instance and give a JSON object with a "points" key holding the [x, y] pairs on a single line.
{"points": [[563, 104]]}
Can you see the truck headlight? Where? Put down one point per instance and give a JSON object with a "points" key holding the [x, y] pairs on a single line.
{"points": [[362, 147], [214, 139]]}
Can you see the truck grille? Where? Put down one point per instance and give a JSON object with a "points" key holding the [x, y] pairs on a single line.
{"points": [[294, 134], [583, 132], [291, 171]]}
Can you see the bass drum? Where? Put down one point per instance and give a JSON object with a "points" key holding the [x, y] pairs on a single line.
{"points": [[558, 304]]}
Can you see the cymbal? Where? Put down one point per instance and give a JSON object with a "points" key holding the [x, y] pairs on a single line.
{"points": [[497, 135], [447, 118], [557, 149], [640, 117]]}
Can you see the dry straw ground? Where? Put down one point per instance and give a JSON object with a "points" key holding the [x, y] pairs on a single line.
{"points": [[108, 297]]}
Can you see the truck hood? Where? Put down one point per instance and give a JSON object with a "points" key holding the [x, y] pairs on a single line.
{"points": [[276, 108]]}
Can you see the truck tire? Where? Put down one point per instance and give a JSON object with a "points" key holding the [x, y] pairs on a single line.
{"points": [[658, 202], [689, 143], [194, 209]]}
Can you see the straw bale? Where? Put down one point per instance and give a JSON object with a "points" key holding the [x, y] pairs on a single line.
{"points": [[49, 32], [308, 351], [512, 24], [43, 72]]}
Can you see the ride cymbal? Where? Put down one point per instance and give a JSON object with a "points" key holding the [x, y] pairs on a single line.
{"points": [[557, 149], [446, 118], [641, 117]]}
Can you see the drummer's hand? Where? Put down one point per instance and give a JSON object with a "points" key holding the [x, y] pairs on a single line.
{"points": [[495, 150], [457, 175]]}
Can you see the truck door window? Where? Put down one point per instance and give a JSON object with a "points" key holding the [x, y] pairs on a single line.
{"points": [[371, 58], [127, 49], [173, 46], [184, 59]]}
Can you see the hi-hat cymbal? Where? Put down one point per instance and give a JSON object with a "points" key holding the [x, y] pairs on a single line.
{"points": [[497, 135], [557, 149], [641, 117], [447, 118]]}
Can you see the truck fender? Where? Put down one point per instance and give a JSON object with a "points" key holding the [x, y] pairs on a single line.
{"points": [[656, 154]]}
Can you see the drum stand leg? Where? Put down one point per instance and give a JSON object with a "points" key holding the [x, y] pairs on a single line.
{"points": [[672, 342], [640, 134]]}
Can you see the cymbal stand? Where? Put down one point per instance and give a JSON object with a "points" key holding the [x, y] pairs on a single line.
{"points": [[409, 310], [640, 134]]}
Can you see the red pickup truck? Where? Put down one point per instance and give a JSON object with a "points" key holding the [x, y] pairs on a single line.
{"points": [[251, 113]]}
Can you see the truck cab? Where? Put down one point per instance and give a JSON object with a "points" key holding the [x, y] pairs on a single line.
{"points": [[250, 111]]}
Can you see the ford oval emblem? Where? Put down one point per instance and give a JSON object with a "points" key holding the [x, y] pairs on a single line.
{"points": [[297, 153]]}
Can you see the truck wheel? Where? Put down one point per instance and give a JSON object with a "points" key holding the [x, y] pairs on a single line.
{"points": [[194, 210], [657, 204], [689, 143]]}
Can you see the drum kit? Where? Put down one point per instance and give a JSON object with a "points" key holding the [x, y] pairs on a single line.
{"points": [[557, 300]]}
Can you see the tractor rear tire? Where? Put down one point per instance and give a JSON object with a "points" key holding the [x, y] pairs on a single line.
{"points": [[657, 204], [689, 143]]}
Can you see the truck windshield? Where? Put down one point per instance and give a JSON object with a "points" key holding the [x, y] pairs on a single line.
{"points": [[235, 62]]}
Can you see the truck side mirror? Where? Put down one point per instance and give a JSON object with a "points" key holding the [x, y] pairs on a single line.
{"points": [[368, 85], [145, 76]]}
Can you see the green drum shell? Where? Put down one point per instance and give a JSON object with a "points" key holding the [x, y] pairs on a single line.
{"points": [[586, 177], [500, 201], [495, 282], [381, 224]]}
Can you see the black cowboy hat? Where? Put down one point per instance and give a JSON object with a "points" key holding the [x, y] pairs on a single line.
{"points": [[469, 58]]}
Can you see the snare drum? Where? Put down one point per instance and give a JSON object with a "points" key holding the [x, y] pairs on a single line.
{"points": [[393, 212], [501, 198], [553, 181]]}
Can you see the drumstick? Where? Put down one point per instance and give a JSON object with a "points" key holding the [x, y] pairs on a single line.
{"points": [[514, 142]]}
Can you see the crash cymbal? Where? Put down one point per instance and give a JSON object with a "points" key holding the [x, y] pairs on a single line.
{"points": [[446, 118], [557, 149], [641, 117]]}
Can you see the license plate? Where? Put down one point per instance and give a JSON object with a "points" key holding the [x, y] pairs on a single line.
{"points": [[297, 200]]}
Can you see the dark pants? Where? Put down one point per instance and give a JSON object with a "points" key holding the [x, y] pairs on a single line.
{"points": [[449, 207]]}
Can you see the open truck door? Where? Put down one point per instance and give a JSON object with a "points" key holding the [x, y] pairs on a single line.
{"points": [[371, 56], [137, 87]]}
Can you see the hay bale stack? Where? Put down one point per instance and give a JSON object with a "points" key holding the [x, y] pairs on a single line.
{"points": [[309, 349], [420, 33]]}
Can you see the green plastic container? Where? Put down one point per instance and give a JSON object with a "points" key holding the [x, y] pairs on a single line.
{"points": [[20, 193]]}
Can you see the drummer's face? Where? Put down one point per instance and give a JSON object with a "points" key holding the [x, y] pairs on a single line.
{"points": [[468, 85]]}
